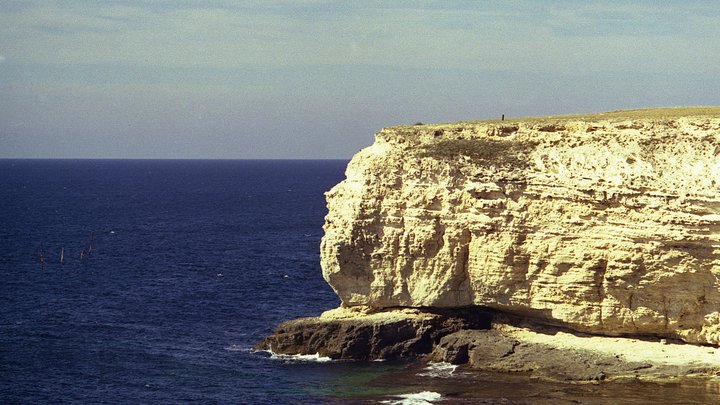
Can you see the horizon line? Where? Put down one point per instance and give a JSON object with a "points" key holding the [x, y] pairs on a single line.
{"points": [[175, 159]]}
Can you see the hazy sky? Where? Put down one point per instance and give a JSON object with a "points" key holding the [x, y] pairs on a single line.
{"points": [[316, 79]]}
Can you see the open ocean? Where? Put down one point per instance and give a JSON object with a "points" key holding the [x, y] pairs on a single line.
{"points": [[192, 263]]}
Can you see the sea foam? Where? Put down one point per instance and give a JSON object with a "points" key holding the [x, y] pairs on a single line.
{"points": [[418, 398], [298, 358], [438, 370]]}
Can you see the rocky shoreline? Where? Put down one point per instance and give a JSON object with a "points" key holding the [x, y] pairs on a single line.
{"points": [[486, 340], [594, 239], [361, 334]]}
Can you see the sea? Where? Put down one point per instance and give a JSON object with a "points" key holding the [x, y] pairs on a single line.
{"points": [[149, 282]]}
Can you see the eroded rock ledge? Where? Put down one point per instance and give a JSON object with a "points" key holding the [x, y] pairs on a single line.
{"points": [[363, 334], [487, 340]]}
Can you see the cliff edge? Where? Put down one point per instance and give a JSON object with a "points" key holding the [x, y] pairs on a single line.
{"points": [[607, 224]]}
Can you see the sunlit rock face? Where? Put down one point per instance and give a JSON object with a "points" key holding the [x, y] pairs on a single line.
{"points": [[606, 224]]}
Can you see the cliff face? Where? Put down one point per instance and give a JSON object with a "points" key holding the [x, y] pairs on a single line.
{"points": [[606, 224]]}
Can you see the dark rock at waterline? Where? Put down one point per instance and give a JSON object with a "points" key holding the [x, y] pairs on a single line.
{"points": [[486, 347], [384, 335], [493, 350], [465, 337]]}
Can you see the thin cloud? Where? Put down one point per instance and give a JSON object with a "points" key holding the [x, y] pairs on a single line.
{"points": [[2, 59], [520, 37]]}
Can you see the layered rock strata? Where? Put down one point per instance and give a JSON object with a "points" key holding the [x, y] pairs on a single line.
{"points": [[608, 224]]}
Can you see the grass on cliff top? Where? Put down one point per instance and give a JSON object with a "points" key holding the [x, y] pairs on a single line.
{"points": [[619, 115], [513, 153], [498, 152]]}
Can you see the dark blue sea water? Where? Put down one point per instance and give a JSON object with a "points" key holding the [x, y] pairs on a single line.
{"points": [[192, 263]]}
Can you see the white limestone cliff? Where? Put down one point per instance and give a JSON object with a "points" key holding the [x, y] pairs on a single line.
{"points": [[608, 224]]}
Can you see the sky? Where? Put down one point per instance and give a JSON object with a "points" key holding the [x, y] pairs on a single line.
{"points": [[315, 79]]}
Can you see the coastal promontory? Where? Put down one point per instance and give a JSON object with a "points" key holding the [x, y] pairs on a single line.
{"points": [[605, 224]]}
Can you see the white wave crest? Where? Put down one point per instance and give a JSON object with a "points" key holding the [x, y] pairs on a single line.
{"points": [[298, 358], [418, 398], [438, 370]]}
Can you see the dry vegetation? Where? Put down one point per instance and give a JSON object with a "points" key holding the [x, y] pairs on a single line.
{"points": [[509, 152], [621, 115], [498, 152]]}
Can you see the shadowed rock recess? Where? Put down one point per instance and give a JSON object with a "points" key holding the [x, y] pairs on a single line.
{"points": [[607, 224]]}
